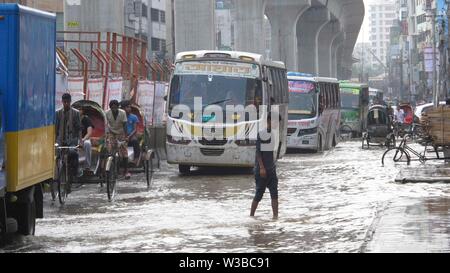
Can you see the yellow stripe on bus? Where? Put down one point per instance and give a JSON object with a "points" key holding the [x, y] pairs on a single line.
{"points": [[29, 157]]}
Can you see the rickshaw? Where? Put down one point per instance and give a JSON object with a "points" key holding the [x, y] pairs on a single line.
{"points": [[105, 164], [379, 130], [401, 129], [147, 155], [63, 180]]}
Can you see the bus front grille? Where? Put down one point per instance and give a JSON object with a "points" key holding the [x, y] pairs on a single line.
{"points": [[212, 152], [214, 142]]}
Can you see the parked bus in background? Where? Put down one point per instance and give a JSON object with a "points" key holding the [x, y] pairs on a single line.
{"points": [[376, 96], [314, 112], [222, 79], [354, 107]]}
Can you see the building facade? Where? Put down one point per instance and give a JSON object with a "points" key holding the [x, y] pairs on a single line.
{"points": [[382, 16], [415, 69], [143, 19]]}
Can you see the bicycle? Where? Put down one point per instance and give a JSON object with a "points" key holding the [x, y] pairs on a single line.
{"points": [[64, 175], [402, 153], [112, 167]]}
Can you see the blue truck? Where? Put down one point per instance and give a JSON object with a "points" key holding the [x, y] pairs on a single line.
{"points": [[27, 114]]}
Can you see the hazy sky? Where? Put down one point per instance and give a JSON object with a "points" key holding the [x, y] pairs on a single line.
{"points": [[364, 34]]}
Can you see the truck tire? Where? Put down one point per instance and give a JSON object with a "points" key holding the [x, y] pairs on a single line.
{"points": [[27, 218], [11, 225]]}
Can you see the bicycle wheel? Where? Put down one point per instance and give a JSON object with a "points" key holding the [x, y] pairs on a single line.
{"points": [[396, 157], [54, 189], [63, 184], [111, 177]]}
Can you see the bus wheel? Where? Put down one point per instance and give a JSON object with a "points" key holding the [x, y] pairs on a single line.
{"points": [[320, 145], [184, 169]]}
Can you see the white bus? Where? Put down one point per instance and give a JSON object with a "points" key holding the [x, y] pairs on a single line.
{"points": [[222, 79], [314, 112]]}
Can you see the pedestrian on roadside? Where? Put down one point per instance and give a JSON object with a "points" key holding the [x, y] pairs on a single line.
{"points": [[265, 170]]}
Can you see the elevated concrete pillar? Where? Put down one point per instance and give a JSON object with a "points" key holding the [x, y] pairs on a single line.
{"points": [[308, 29], [336, 44], [340, 61], [249, 21], [325, 46], [283, 19], [194, 25]]}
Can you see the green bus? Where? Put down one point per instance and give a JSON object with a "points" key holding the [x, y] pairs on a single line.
{"points": [[354, 107]]}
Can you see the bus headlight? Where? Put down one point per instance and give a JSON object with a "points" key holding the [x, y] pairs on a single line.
{"points": [[308, 132], [179, 141], [246, 143]]}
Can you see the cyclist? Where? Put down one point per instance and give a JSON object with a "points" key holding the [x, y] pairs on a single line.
{"points": [[68, 130], [116, 132], [132, 123]]}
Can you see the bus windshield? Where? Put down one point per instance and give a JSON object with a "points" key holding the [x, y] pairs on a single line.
{"points": [[302, 100], [213, 90], [350, 101]]}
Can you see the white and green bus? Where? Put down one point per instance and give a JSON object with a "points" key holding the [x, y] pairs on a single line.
{"points": [[209, 95], [355, 107], [314, 112]]}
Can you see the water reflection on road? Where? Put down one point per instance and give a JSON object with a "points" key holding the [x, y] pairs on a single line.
{"points": [[339, 201]]}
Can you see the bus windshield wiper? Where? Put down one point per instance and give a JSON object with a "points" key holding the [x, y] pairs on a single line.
{"points": [[216, 102]]}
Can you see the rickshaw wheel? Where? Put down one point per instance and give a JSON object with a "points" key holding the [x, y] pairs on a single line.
{"points": [[391, 142], [63, 184], [149, 170], [54, 189], [111, 177]]}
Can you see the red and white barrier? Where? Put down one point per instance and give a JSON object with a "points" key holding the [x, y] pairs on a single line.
{"points": [[95, 90], [145, 98], [114, 91], [75, 86]]}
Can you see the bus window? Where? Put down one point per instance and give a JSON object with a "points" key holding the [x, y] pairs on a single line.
{"points": [[286, 87], [336, 96], [277, 85], [332, 96], [339, 96], [327, 95]]}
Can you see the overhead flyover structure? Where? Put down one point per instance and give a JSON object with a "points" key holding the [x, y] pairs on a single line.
{"points": [[311, 36]]}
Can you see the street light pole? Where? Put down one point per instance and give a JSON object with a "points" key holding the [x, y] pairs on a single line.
{"points": [[401, 71], [433, 31]]}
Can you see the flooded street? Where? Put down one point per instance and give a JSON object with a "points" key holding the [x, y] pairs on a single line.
{"points": [[339, 201]]}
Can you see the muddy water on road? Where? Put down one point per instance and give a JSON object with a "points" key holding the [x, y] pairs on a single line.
{"points": [[331, 202]]}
